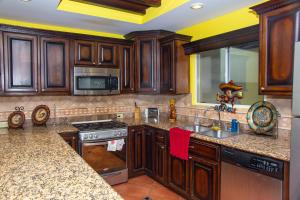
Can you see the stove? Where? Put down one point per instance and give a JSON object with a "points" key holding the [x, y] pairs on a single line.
{"points": [[100, 130]]}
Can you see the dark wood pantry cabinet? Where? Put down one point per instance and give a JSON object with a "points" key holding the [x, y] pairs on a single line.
{"points": [[279, 26], [20, 63], [55, 67]]}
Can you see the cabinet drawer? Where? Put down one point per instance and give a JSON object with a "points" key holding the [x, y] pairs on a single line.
{"points": [[205, 149], [160, 137]]}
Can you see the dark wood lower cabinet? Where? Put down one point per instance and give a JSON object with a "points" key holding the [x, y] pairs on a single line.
{"points": [[203, 179], [178, 178], [135, 151], [148, 150], [71, 138]]}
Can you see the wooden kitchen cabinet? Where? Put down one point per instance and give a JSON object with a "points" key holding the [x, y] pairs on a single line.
{"points": [[146, 67], [149, 157], [178, 177], [1, 64], [71, 138], [55, 67], [203, 179], [135, 148], [278, 23], [160, 156], [174, 65], [20, 63], [107, 54], [127, 68], [85, 52]]}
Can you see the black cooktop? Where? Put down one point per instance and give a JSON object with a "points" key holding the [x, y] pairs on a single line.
{"points": [[95, 126]]}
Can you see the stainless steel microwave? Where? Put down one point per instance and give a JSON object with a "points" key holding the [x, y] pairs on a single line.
{"points": [[96, 81]]}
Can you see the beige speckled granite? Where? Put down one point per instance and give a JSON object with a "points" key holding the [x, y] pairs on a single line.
{"points": [[36, 163], [262, 145]]}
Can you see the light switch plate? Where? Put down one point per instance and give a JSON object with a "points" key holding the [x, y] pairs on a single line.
{"points": [[120, 115]]}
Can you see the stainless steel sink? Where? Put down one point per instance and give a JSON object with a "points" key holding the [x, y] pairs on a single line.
{"points": [[208, 132]]}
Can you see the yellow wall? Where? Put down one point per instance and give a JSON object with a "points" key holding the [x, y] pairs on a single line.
{"points": [[235, 20], [59, 28]]}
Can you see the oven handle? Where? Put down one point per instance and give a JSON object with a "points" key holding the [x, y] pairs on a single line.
{"points": [[101, 142]]}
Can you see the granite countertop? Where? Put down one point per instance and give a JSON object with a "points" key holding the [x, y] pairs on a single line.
{"points": [[263, 145], [36, 163]]}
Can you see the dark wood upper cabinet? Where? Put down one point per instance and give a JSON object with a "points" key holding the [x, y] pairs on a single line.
{"points": [[107, 54], [203, 179], [127, 69], [21, 62], [174, 65], [277, 38], [85, 52], [146, 66], [55, 67], [1, 64]]}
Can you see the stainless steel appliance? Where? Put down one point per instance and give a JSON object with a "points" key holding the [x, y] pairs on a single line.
{"points": [[295, 135], [96, 81], [94, 137], [246, 176], [152, 113]]}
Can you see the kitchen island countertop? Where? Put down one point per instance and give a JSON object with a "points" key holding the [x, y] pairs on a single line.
{"points": [[36, 163]]}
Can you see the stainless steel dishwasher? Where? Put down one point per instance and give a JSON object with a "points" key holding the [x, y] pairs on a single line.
{"points": [[246, 176]]}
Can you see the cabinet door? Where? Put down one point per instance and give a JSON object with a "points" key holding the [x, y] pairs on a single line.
{"points": [[55, 67], [135, 153], [85, 52], [21, 61], [127, 69], [203, 179], [277, 50], [1, 64], [71, 138], [146, 67], [160, 162], [178, 175], [167, 71], [149, 155], [107, 54]]}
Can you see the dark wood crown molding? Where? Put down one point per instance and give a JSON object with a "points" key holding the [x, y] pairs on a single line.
{"points": [[272, 5], [157, 33], [236, 37], [176, 36], [135, 6], [48, 33]]}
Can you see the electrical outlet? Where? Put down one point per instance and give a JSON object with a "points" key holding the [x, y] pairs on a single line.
{"points": [[120, 115], [3, 125]]}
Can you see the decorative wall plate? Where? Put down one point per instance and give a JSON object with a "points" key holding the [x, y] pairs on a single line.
{"points": [[262, 117], [17, 118], [40, 115]]}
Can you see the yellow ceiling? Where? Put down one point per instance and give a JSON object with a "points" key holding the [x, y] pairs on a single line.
{"points": [[109, 13]]}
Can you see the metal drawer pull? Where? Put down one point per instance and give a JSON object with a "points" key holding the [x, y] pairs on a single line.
{"points": [[191, 147], [190, 157], [160, 137]]}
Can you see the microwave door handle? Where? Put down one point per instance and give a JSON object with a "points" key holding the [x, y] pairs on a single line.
{"points": [[109, 83]]}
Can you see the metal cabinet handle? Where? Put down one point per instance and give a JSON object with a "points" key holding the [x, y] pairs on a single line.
{"points": [[191, 147], [160, 137], [262, 88], [171, 89], [154, 89], [190, 157]]}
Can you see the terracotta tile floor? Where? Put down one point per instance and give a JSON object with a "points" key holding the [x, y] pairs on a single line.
{"points": [[140, 187]]}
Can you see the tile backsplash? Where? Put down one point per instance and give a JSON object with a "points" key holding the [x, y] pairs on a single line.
{"points": [[69, 106]]}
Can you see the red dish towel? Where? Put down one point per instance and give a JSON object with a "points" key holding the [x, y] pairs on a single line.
{"points": [[179, 143]]}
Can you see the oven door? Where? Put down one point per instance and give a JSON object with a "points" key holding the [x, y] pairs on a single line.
{"points": [[101, 160]]}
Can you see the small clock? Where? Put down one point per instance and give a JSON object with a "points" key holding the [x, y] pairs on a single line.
{"points": [[16, 119], [40, 115]]}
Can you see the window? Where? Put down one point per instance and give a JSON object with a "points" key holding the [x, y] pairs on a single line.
{"points": [[237, 63]]}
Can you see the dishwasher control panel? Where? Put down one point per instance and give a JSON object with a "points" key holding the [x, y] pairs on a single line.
{"points": [[260, 164]]}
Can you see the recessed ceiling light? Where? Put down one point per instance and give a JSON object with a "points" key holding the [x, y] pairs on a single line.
{"points": [[26, 0], [196, 6]]}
